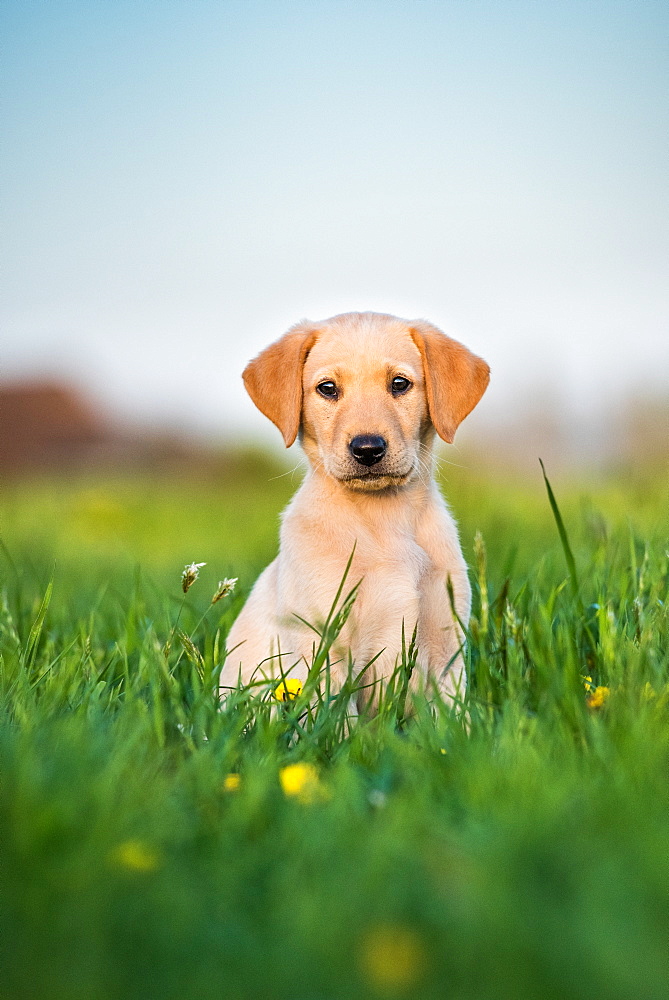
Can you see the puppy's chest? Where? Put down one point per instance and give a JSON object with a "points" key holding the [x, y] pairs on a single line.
{"points": [[401, 583], [396, 555], [407, 568]]}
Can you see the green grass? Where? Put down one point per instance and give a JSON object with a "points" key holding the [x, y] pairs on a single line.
{"points": [[522, 855]]}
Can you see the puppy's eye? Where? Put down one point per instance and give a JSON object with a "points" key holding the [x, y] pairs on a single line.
{"points": [[327, 389], [400, 385]]}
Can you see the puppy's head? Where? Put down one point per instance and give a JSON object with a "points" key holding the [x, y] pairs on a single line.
{"points": [[366, 391]]}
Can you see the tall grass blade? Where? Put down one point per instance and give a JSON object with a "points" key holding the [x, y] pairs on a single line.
{"points": [[564, 539], [38, 624]]}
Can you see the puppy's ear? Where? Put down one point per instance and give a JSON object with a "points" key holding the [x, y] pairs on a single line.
{"points": [[455, 379], [273, 380]]}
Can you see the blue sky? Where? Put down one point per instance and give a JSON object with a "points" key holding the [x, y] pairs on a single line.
{"points": [[184, 180]]}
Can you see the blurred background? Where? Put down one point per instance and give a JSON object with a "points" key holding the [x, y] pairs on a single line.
{"points": [[183, 181]]}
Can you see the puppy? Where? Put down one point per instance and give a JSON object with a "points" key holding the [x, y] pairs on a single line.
{"points": [[366, 393]]}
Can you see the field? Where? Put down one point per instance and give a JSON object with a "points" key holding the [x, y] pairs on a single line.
{"points": [[153, 845]]}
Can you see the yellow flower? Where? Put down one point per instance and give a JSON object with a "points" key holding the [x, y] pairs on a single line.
{"points": [[231, 782], [392, 957], [301, 781], [598, 697], [288, 690], [135, 855], [587, 683]]}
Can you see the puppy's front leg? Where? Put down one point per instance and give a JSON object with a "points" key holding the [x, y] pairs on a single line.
{"points": [[387, 608]]}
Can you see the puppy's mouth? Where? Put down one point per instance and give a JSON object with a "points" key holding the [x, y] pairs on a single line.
{"points": [[371, 482], [392, 472]]}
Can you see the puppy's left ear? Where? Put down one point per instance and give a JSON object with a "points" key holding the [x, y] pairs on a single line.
{"points": [[273, 380], [455, 379]]}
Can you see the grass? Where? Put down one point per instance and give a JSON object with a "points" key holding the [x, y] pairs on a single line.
{"points": [[524, 855]]}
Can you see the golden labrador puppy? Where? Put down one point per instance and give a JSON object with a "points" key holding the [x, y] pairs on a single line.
{"points": [[366, 393]]}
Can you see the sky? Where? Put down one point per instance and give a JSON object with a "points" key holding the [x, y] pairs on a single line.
{"points": [[182, 181]]}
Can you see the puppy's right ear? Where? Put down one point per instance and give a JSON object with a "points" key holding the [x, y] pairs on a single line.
{"points": [[273, 380]]}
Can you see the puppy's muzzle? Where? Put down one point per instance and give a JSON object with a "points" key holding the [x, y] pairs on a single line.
{"points": [[368, 449]]}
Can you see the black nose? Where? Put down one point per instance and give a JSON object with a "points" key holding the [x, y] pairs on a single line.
{"points": [[368, 449]]}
